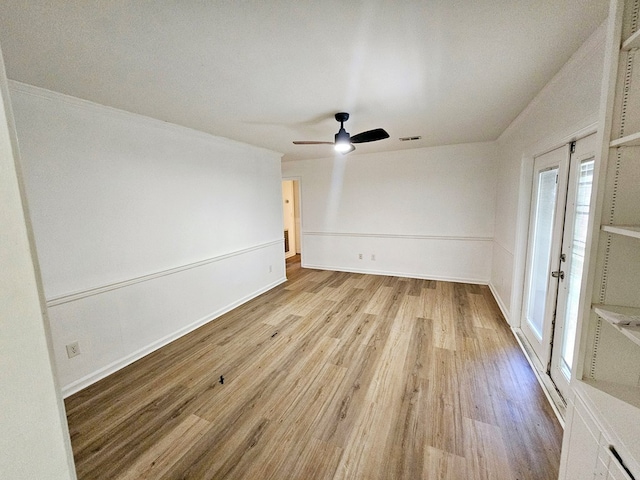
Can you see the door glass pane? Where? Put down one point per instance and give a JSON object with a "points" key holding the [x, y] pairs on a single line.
{"points": [[541, 250], [583, 197]]}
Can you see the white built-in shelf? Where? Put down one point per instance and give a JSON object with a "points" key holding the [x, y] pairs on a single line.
{"points": [[632, 140], [617, 408], [626, 230], [632, 42], [614, 315]]}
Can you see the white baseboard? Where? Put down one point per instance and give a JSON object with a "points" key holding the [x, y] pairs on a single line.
{"points": [[477, 281], [501, 305], [113, 367], [553, 397]]}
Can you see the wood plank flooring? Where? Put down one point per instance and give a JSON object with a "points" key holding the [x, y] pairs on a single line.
{"points": [[329, 376]]}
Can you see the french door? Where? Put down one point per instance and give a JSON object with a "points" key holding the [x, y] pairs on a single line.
{"points": [[561, 194]]}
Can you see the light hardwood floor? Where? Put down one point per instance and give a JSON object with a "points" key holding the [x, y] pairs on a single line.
{"points": [[328, 376]]}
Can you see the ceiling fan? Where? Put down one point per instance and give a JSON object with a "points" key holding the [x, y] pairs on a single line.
{"points": [[344, 142]]}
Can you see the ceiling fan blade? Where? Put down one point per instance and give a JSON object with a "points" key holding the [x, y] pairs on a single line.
{"points": [[370, 136], [311, 142]]}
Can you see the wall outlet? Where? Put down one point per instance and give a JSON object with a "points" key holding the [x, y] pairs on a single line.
{"points": [[359, 256], [73, 349], [270, 268], [373, 256]]}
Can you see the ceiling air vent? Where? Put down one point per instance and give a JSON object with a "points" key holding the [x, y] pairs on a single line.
{"points": [[408, 139]]}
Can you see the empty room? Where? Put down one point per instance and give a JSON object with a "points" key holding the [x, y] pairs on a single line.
{"points": [[320, 240]]}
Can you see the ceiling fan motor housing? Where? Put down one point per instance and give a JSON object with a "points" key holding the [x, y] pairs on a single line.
{"points": [[342, 136], [342, 117]]}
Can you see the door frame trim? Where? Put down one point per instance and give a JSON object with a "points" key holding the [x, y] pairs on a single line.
{"points": [[298, 179], [522, 217], [520, 251], [561, 157]]}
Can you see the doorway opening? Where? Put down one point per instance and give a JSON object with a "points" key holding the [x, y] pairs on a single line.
{"points": [[291, 218]]}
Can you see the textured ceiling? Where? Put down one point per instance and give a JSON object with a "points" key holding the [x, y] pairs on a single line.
{"points": [[270, 72]]}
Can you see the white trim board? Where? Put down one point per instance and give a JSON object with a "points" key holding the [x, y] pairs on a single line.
{"points": [[500, 302], [475, 281], [504, 248], [70, 297], [554, 399]]}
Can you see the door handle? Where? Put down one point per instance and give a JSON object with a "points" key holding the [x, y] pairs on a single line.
{"points": [[558, 274]]}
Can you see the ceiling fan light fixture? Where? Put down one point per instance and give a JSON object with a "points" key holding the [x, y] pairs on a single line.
{"points": [[343, 147]]}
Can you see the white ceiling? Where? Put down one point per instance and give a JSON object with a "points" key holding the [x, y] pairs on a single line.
{"points": [[270, 72]]}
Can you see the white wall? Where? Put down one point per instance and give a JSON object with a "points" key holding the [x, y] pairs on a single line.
{"points": [[34, 439], [145, 230], [567, 107], [424, 213]]}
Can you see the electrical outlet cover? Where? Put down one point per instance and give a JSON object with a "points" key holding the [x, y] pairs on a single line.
{"points": [[73, 349]]}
